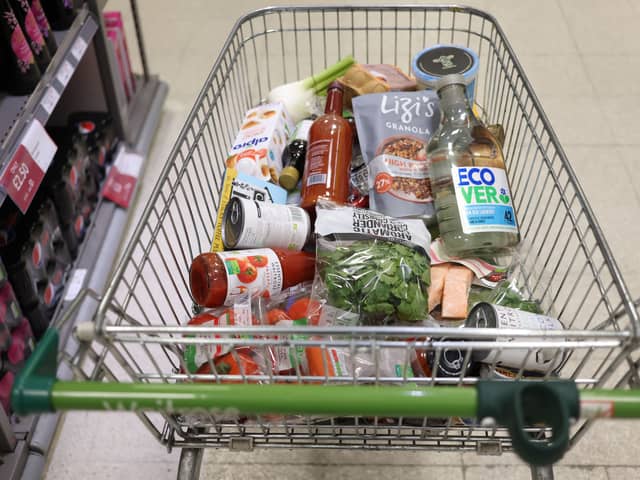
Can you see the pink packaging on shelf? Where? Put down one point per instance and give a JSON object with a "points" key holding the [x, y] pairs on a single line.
{"points": [[113, 20], [6, 383], [112, 35]]}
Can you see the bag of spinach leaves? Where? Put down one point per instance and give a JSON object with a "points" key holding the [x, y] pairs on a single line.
{"points": [[372, 269]]}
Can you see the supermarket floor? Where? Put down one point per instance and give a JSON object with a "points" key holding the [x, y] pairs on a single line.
{"points": [[583, 58]]}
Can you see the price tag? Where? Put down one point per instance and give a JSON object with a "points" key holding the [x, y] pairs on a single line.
{"points": [[78, 48], [25, 171], [50, 99], [75, 284], [121, 181], [64, 73]]}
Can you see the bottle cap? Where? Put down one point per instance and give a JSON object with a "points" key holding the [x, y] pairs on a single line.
{"points": [[335, 84], [453, 79], [289, 177]]}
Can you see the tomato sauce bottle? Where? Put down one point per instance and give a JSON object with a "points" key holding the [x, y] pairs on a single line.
{"points": [[328, 161], [225, 278]]}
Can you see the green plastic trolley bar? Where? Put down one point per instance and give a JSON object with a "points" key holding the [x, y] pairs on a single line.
{"points": [[513, 404]]}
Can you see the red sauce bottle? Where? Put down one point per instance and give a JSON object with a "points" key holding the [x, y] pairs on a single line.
{"points": [[326, 170], [225, 278]]}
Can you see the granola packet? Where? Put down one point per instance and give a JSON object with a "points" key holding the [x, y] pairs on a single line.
{"points": [[394, 129]]}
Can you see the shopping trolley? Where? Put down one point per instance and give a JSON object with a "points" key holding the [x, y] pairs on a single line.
{"points": [[130, 356]]}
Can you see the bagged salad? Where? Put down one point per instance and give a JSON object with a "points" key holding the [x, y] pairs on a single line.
{"points": [[371, 269]]}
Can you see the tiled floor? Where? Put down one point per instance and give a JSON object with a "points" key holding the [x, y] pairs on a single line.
{"points": [[583, 58]]}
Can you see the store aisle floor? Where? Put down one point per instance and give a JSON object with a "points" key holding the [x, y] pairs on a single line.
{"points": [[583, 58]]}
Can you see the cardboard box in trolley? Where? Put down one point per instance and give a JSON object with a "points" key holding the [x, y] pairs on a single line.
{"points": [[257, 149]]}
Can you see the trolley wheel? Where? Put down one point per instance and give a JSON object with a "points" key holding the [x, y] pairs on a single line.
{"points": [[190, 463], [544, 472]]}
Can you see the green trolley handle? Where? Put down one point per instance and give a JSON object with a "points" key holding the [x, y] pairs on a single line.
{"points": [[513, 404]]}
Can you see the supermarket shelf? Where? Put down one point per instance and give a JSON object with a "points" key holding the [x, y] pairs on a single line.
{"points": [[17, 112], [97, 256]]}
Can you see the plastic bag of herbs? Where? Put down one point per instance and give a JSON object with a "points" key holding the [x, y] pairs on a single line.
{"points": [[372, 269]]}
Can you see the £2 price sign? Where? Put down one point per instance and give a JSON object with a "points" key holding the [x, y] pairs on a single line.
{"points": [[24, 172]]}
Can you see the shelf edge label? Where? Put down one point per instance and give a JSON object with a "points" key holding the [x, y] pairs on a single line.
{"points": [[24, 172]]}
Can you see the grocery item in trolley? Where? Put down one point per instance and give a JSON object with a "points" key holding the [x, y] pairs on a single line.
{"points": [[435, 62], [253, 224], [195, 355], [263, 134], [473, 199], [373, 269], [365, 79], [393, 129], [328, 162], [486, 315], [294, 156], [452, 360], [240, 185], [223, 278], [504, 373], [450, 285], [299, 97]]}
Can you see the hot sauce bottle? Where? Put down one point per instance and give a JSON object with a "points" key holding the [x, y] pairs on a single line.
{"points": [[224, 278], [328, 161]]}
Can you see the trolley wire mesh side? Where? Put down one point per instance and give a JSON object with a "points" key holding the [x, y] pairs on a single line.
{"points": [[564, 262]]}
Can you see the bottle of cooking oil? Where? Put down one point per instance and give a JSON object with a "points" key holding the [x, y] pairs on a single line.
{"points": [[473, 200]]}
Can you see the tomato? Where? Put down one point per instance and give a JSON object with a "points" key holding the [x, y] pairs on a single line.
{"points": [[258, 261], [228, 365], [305, 308], [248, 274], [275, 315]]}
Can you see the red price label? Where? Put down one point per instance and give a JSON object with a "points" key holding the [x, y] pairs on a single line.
{"points": [[122, 178], [21, 178]]}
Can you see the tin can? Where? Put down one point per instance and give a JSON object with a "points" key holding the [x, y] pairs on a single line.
{"points": [[253, 224], [486, 315], [451, 362], [432, 63]]}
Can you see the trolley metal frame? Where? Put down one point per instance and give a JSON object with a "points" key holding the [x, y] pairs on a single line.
{"points": [[138, 333]]}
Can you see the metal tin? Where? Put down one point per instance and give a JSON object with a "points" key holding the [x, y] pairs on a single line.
{"points": [[432, 63], [451, 361], [486, 315], [253, 224]]}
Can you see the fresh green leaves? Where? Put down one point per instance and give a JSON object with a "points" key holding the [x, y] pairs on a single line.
{"points": [[505, 294], [383, 282]]}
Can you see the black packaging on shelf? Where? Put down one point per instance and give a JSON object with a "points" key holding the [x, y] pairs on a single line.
{"points": [[5, 337], [60, 13], [98, 132], [6, 384], [37, 318]]}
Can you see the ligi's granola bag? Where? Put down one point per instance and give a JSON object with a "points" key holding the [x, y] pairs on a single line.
{"points": [[394, 129]]}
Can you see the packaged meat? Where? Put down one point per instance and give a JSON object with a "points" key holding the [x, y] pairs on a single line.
{"points": [[456, 292]]}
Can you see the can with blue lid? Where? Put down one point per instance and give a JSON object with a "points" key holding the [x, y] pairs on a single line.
{"points": [[432, 63]]}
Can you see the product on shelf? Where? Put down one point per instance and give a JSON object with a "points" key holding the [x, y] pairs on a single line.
{"points": [[6, 384], [43, 24], [114, 23], [10, 311], [473, 198], [60, 13], [29, 25], [19, 65], [257, 149], [326, 171], [118, 51]]}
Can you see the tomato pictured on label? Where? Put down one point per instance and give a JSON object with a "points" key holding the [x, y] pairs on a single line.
{"points": [[258, 260], [36, 255], [249, 274]]}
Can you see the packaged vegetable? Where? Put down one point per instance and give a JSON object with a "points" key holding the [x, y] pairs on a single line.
{"points": [[372, 269], [393, 129]]}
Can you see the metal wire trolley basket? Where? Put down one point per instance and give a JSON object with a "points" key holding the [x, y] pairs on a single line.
{"points": [[130, 356]]}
